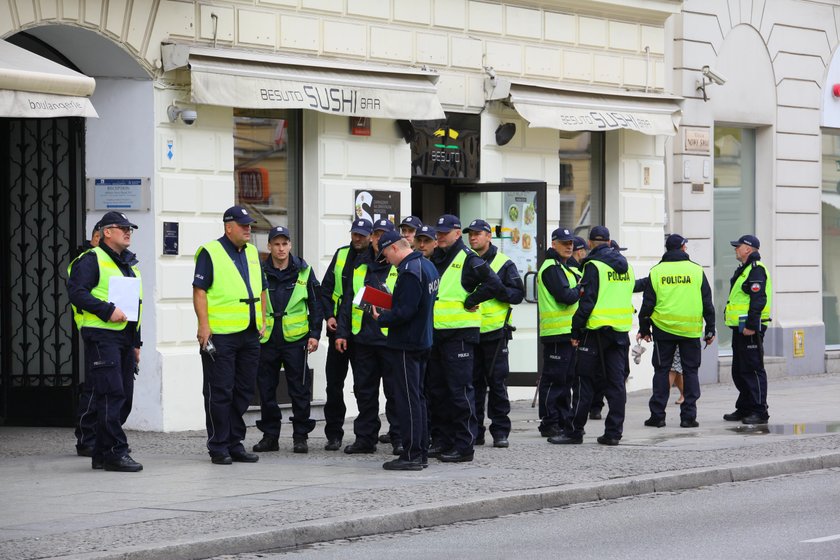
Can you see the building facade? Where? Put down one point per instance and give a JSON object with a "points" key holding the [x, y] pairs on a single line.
{"points": [[312, 111]]}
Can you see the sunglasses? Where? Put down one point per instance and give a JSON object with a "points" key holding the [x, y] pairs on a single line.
{"points": [[124, 229]]}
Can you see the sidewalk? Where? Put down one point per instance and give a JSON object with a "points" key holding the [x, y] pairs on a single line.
{"points": [[182, 506]]}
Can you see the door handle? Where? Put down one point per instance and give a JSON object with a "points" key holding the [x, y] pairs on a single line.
{"points": [[532, 285]]}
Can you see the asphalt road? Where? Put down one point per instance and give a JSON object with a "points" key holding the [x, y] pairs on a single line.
{"points": [[792, 517]]}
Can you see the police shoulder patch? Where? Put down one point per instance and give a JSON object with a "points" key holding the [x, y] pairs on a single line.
{"points": [[755, 288]]}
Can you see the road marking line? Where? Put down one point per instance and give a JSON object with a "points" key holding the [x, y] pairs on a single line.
{"points": [[824, 539]]}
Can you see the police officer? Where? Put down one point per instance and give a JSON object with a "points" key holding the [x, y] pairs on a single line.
{"points": [[579, 249], [408, 229], [334, 285], [86, 411], [409, 323], [294, 320], [557, 297], [465, 282], [599, 332], [370, 359], [230, 303], [676, 302], [112, 341], [491, 366], [748, 314], [425, 241]]}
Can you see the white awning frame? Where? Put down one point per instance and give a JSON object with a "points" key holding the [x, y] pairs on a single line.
{"points": [[33, 87], [259, 81], [576, 110]]}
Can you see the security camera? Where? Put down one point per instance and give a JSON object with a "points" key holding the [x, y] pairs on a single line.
{"points": [[188, 116], [714, 76]]}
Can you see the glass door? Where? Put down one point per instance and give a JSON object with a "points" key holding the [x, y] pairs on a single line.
{"points": [[516, 212]]}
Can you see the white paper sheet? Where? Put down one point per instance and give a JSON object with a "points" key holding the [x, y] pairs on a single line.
{"points": [[357, 300], [124, 292]]}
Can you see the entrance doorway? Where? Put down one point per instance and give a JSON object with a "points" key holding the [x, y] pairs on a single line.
{"points": [[734, 210], [517, 213], [42, 225]]}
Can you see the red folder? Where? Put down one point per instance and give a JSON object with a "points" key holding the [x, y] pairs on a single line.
{"points": [[376, 297]]}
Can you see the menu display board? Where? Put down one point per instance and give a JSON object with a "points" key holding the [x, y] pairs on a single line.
{"points": [[519, 229]]}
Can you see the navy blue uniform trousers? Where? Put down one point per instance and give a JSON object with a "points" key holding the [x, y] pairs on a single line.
{"points": [[336, 373], [110, 358], [409, 369], [490, 384], [451, 395], [555, 408], [292, 358], [601, 361], [229, 380], [370, 366], [748, 373], [663, 359]]}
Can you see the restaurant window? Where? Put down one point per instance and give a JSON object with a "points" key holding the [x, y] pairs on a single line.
{"points": [[582, 181], [267, 170]]}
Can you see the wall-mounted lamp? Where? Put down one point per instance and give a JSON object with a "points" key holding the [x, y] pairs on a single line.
{"points": [[188, 116], [712, 76], [505, 132]]}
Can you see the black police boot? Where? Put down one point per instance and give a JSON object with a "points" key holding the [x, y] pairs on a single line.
{"points": [[692, 423], [333, 444], [607, 440], [244, 457], [357, 447], [84, 450], [436, 451], [654, 422], [300, 446], [595, 415], [563, 439], [122, 464], [267, 443], [734, 416], [397, 449], [455, 456], [97, 463], [501, 441], [755, 418], [385, 438], [403, 465]]}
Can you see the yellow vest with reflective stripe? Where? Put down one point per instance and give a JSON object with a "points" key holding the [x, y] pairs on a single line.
{"points": [[493, 311], [227, 309], [679, 302], [449, 312], [338, 286], [295, 318], [107, 269], [739, 302], [77, 313], [359, 274], [614, 306], [555, 316]]}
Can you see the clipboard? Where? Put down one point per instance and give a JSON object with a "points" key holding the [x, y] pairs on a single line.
{"points": [[124, 292]]}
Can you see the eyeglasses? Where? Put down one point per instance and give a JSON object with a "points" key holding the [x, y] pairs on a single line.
{"points": [[124, 229]]}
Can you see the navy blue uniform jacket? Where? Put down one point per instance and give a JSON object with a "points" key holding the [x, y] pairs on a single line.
{"points": [[758, 299], [512, 292], [281, 284], [589, 286], [557, 284], [328, 281], [649, 302], [410, 320], [477, 279], [84, 276]]}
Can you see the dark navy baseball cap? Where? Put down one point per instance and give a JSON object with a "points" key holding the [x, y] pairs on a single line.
{"points": [[115, 219], [412, 221], [580, 243], [239, 215], [614, 244], [750, 240], [479, 225], [425, 231], [279, 230], [388, 238], [562, 234], [675, 241], [362, 227], [599, 233], [383, 225], [447, 223]]}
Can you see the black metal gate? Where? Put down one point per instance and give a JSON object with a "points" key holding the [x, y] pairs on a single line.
{"points": [[42, 192]]}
